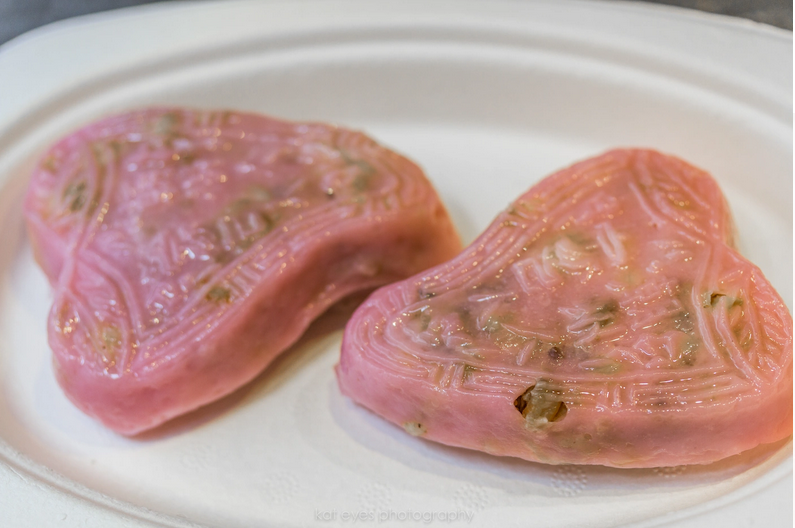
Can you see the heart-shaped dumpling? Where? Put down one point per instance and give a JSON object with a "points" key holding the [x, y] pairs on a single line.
{"points": [[603, 318], [188, 248]]}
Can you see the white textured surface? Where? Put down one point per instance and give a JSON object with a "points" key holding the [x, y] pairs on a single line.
{"points": [[488, 98]]}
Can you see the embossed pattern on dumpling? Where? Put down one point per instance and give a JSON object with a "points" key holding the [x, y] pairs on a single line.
{"points": [[188, 248], [603, 318]]}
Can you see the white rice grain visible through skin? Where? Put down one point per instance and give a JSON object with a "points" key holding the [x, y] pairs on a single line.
{"points": [[610, 242]]}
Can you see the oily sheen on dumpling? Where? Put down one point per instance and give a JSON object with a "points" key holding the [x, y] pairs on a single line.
{"points": [[603, 318], [189, 248]]}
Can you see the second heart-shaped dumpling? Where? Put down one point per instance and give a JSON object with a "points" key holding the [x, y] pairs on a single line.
{"points": [[603, 318]]}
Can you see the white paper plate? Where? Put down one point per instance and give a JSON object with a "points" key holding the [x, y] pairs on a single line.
{"points": [[488, 97]]}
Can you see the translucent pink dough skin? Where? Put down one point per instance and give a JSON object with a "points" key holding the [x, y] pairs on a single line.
{"points": [[603, 318], [188, 248]]}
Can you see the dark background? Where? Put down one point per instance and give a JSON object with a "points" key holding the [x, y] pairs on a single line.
{"points": [[19, 16]]}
